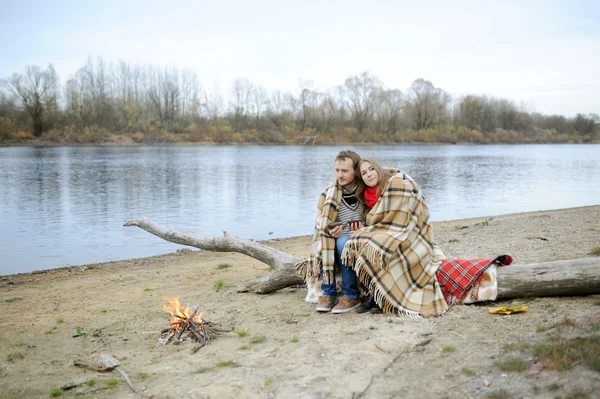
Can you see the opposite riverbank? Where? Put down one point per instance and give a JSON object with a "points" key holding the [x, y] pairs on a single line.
{"points": [[280, 346], [99, 137]]}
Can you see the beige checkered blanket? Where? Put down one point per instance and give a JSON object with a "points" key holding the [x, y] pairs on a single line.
{"points": [[395, 254], [321, 261]]}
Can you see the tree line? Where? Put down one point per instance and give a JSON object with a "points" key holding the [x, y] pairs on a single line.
{"points": [[162, 104]]}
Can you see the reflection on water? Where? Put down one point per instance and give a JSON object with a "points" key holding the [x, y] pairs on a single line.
{"points": [[66, 206]]}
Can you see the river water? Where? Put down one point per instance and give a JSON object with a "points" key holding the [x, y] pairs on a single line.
{"points": [[66, 206]]}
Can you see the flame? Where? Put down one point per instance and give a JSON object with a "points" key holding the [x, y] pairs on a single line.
{"points": [[174, 308]]}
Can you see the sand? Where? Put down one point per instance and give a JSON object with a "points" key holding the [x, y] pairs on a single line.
{"points": [[289, 350]]}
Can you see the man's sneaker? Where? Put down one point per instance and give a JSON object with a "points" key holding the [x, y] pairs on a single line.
{"points": [[346, 305], [325, 303]]}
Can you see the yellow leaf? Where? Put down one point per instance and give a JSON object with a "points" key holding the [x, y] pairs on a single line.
{"points": [[507, 309]]}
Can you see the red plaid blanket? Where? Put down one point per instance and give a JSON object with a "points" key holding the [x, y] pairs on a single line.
{"points": [[457, 276]]}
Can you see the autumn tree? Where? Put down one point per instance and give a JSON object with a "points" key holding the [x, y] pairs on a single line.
{"points": [[428, 105], [36, 91], [280, 109], [388, 109], [242, 92], [259, 100], [361, 91], [584, 125], [470, 112]]}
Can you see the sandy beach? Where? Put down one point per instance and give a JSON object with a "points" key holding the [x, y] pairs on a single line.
{"points": [[279, 347]]}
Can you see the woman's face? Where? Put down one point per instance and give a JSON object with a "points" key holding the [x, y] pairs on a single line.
{"points": [[369, 174]]}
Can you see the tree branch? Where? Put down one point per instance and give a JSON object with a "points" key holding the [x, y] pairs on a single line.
{"points": [[283, 264]]}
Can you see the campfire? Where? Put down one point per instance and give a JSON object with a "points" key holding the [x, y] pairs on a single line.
{"points": [[187, 323]]}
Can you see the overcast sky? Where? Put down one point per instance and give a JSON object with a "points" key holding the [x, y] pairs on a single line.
{"points": [[544, 55]]}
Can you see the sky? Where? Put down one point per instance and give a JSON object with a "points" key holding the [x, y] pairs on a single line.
{"points": [[543, 55]]}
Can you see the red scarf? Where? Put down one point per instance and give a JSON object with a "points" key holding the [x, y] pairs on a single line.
{"points": [[371, 196]]}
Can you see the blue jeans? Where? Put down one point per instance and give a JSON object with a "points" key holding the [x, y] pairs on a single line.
{"points": [[349, 281]]}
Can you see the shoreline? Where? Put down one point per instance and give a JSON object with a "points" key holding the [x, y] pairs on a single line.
{"points": [[210, 143], [277, 345], [186, 249]]}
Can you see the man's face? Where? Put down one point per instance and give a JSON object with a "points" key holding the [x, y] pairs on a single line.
{"points": [[344, 171]]}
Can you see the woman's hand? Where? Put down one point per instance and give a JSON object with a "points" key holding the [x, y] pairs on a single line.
{"points": [[355, 226]]}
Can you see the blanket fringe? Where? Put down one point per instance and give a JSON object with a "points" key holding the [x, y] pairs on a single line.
{"points": [[302, 268], [385, 304], [354, 251]]}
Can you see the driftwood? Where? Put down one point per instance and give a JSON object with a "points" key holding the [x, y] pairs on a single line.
{"points": [[283, 264], [558, 278]]}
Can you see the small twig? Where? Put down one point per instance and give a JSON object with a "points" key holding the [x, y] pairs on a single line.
{"points": [[128, 381], [454, 332], [389, 366], [360, 394], [97, 389], [381, 349], [425, 342], [457, 385], [71, 385]]}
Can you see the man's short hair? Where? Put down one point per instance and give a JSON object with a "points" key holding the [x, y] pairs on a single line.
{"points": [[343, 155]]}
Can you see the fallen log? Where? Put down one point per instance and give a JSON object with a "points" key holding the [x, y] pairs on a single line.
{"points": [[558, 278], [283, 264], [571, 277]]}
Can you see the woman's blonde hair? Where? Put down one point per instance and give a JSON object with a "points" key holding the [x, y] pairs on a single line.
{"points": [[382, 173]]}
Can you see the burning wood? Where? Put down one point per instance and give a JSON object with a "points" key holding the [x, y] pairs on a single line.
{"points": [[187, 324]]}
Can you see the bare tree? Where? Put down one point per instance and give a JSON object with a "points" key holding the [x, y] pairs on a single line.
{"points": [[388, 108], [585, 125], [259, 101], [164, 94], [190, 92], [361, 91], [242, 91], [213, 104], [99, 90], [308, 102], [470, 112], [279, 109], [507, 114], [428, 104], [36, 91]]}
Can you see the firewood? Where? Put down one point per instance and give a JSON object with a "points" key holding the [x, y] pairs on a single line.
{"points": [[183, 328]]}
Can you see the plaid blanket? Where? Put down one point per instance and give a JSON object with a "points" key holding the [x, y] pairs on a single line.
{"points": [[458, 276], [321, 261], [395, 254]]}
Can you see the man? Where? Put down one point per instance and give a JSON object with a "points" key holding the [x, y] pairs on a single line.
{"points": [[339, 204]]}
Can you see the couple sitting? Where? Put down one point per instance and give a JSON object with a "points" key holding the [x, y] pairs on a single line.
{"points": [[376, 227], [394, 255]]}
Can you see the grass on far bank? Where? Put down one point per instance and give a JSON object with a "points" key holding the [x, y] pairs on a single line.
{"points": [[225, 134]]}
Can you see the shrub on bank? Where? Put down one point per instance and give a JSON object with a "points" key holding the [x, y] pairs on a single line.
{"points": [[7, 129], [154, 137]]}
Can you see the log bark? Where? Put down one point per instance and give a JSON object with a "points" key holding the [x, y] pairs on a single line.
{"points": [[559, 278]]}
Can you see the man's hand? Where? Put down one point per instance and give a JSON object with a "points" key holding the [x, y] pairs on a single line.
{"points": [[336, 232]]}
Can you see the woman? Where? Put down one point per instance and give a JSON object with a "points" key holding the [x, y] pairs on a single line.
{"points": [[395, 255]]}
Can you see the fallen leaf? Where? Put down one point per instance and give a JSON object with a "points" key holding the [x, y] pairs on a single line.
{"points": [[503, 310]]}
